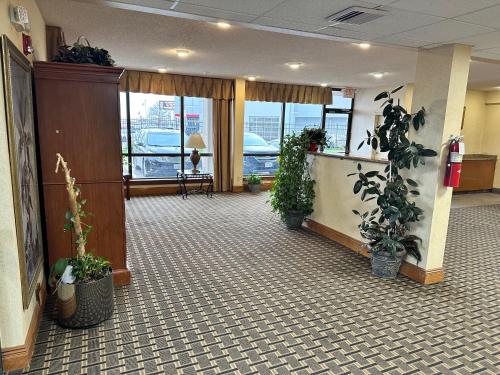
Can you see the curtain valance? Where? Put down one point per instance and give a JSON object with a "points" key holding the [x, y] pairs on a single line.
{"points": [[281, 92], [176, 84]]}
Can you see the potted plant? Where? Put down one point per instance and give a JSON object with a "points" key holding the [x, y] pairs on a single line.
{"points": [[387, 227], [315, 137], [79, 53], [292, 194], [253, 182], [84, 283]]}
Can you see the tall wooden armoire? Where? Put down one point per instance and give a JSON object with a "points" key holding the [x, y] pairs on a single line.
{"points": [[78, 113]]}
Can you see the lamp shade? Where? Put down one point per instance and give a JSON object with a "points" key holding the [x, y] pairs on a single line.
{"points": [[195, 141]]}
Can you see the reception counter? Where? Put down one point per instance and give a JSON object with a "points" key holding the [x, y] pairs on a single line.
{"points": [[478, 172]]}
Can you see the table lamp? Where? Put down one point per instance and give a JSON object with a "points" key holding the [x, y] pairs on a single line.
{"points": [[195, 141]]}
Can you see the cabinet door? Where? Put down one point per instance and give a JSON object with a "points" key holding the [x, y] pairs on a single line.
{"points": [[106, 209], [80, 120]]}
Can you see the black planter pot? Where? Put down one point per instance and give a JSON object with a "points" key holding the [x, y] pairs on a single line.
{"points": [[294, 219], [386, 266], [86, 303]]}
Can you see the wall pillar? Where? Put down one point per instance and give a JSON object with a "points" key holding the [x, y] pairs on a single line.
{"points": [[440, 86], [239, 125]]}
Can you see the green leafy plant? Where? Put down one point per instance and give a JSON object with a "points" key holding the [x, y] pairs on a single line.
{"points": [[293, 188], [83, 54], [254, 179], [386, 227], [315, 135]]}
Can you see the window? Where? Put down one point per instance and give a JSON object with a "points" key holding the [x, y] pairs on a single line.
{"points": [[261, 138], [267, 123], [155, 129]]}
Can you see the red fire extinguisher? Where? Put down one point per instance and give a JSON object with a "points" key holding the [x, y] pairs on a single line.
{"points": [[456, 152]]}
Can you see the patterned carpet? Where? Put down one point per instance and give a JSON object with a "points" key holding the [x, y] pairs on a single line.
{"points": [[221, 287]]}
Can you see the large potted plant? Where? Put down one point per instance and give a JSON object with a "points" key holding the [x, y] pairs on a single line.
{"points": [[387, 227], [315, 137], [80, 53], [84, 283], [292, 194]]}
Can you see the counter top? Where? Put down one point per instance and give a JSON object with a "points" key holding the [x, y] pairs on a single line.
{"points": [[348, 157], [479, 157]]}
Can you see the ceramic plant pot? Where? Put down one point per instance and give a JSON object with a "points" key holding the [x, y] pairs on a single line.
{"points": [[85, 304], [385, 265], [294, 219], [254, 188]]}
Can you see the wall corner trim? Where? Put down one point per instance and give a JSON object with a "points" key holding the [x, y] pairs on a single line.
{"points": [[19, 357], [408, 269]]}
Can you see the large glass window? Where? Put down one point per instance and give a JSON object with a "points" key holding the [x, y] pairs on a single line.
{"points": [[267, 123], [154, 136], [261, 138]]}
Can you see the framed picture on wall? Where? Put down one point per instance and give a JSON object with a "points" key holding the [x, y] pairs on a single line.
{"points": [[16, 72]]}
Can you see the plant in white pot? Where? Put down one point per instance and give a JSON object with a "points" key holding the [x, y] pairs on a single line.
{"points": [[292, 194], [84, 283], [253, 182], [387, 227]]}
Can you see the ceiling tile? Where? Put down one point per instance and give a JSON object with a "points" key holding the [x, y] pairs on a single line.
{"points": [[485, 17], [349, 34], [445, 31], [255, 7], [482, 41], [285, 24], [398, 41], [444, 8], [492, 51], [313, 12], [215, 13]]}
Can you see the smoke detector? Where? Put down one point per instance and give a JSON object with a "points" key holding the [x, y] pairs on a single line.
{"points": [[355, 16]]}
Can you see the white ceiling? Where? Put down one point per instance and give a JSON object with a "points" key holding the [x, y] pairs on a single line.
{"points": [[268, 33]]}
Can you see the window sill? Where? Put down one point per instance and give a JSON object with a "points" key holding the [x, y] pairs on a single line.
{"points": [[347, 157]]}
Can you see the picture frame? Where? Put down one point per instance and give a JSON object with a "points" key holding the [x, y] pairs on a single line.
{"points": [[18, 93]]}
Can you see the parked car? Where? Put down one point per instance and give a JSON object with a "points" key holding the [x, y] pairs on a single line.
{"points": [[159, 141], [260, 162]]}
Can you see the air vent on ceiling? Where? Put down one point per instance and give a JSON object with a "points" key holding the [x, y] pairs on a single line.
{"points": [[356, 15]]}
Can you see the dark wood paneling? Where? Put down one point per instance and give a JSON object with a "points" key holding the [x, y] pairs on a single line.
{"points": [[78, 113], [477, 175]]}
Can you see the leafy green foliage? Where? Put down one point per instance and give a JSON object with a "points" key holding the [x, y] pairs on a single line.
{"points": [[386, 227], [253, 179], [314, 135], [81, 54], [293, 188], [89, 267]]}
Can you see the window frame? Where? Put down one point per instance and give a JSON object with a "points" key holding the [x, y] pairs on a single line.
{"points": [[325, 110], [130, 154]]}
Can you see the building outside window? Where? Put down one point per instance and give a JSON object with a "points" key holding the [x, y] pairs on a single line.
{"points": [[158, 134], [266, 124]]}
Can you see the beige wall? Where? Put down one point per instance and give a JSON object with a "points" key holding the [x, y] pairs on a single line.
{"points": [[474, 121], [491, 134], [14, 321]]}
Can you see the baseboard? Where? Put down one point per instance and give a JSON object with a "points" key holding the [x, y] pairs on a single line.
{"points": [[409, 270], [121, 277], [238, 189], [19, 357]]}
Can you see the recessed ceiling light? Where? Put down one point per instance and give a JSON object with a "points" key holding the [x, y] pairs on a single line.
{"points": [[182, 52], [252, 78], [162, 70], [364, 45], [294, 65], [323, 84], [223, 25], [377, 75]]}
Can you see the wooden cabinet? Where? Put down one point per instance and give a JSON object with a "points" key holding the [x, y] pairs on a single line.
{"points": [[478, 173], [78, 113]]}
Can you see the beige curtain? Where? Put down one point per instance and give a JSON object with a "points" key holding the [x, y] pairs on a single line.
{"points": [[222, 124], [54, 38], [280, 92], [176, 84]]}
